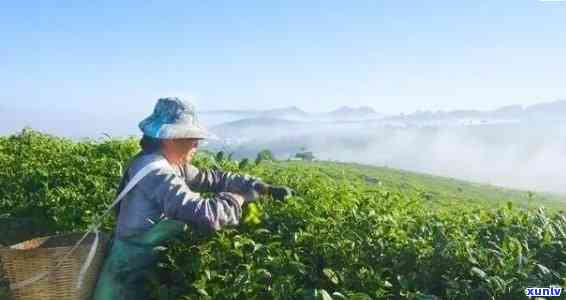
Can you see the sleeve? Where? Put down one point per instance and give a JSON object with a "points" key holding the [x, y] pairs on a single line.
{"points": [[219, 181], [180, 203]]}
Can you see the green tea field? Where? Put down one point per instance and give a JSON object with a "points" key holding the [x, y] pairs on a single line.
{"points": [[351, 232]]}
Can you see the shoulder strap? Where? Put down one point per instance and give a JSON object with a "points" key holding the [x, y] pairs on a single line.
{"points": [[153, 166]]}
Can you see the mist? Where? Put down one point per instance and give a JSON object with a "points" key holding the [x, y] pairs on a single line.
{"points": [[530, 156], [528, 153]]}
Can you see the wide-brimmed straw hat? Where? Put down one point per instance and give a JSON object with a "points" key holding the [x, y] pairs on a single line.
{"points": [[173, 118]]}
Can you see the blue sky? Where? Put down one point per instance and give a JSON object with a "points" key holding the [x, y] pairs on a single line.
{"points": [[396, 56]]}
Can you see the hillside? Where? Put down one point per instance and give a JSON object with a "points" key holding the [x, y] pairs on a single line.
{"points": [[437, 191]]}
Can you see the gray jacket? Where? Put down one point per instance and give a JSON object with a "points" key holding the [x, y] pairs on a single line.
{"points": [[173, 192]]}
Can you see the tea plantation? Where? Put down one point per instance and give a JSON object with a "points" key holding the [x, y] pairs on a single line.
{"points": [[352, 231]]}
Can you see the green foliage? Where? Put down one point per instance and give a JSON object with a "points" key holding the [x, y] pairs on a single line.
{"points": [[341, 238], [266, 155], [244, 164], [439, 191], [58, 181], [221, 156], [308, 156]]}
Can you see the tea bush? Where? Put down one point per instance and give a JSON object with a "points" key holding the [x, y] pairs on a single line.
{"points": [[339, 238]]}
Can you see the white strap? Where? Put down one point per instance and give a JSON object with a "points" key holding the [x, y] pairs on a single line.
{"points": [[89, 259], [153, 166], [156, 165]]}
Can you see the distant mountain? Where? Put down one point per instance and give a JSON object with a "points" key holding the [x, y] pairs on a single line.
{"points": [[282, 110], [254, 126], [543, 111], [256, 122], [291, 110], [230, 111], [556, 108], [344, 113], [510, 109], [348, 112], [353, 114]]}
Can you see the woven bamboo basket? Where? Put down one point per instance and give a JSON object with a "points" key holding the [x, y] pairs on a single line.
{"points": [[26, 260]]}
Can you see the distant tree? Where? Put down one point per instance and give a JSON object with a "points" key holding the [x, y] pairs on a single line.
{"points": [[308, 156], [244, 163], [223, 155], [265, 154], [220, 156]]}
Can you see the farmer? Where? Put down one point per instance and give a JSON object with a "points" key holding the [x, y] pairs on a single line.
{"points": [[157, 208]]}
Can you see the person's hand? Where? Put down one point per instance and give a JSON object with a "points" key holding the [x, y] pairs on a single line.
{"points": [[262, 188], [281, 193]]}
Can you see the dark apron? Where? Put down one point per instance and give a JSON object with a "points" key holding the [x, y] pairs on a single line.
{"points": [[130, 262]]}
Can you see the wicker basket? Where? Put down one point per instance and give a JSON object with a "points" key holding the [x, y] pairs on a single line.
{"points": [[30, 258]]}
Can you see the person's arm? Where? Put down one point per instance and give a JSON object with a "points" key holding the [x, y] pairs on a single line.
{"points": [[219, 181], [181, 203]]}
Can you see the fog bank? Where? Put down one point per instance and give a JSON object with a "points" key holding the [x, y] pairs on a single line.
{"points": [[520, 155]]}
